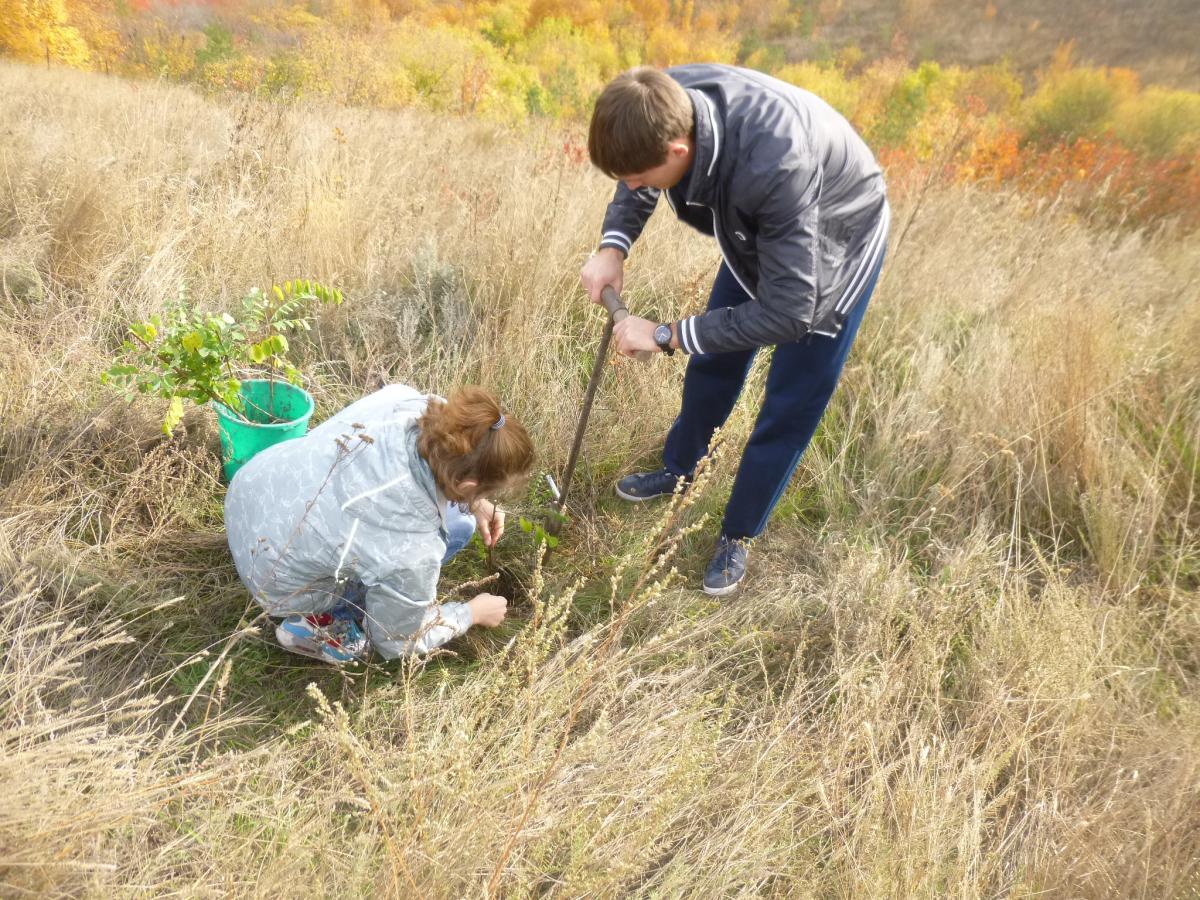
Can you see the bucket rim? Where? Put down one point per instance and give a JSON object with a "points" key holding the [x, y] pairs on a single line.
{"points": [[228, 415]]}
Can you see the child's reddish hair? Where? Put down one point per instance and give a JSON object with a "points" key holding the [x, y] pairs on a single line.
{"points": [[462, 440]]}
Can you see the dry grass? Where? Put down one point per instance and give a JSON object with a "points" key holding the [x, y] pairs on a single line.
{"points": [[966, 662]]}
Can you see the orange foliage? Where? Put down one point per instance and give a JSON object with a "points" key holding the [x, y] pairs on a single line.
{"points": [[1120, 185], [993, 158], [1098, 178]]}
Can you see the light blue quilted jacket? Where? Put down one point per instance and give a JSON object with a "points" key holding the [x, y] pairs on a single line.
{"points": [[351, 499]]}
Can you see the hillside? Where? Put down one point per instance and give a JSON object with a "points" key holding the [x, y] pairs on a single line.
{"points": [[1157, 39], [966, 661]]}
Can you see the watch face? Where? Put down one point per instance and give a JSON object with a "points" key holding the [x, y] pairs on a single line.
{"points": [[662, 335]]}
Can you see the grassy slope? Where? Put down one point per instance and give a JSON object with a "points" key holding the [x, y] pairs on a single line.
{"points": [[965, 662]]}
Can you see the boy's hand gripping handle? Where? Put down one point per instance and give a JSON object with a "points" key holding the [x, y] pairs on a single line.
{"points": [[618, 311]]}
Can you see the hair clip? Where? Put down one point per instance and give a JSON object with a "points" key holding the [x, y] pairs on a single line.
{"points": [[499, 423]]}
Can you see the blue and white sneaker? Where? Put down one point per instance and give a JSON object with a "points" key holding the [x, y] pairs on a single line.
{"points": [[647, 485], [325, 636], [727, 567]]}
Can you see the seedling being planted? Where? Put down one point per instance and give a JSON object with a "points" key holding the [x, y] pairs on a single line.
{"points": [[187, 353], [538, 532]]}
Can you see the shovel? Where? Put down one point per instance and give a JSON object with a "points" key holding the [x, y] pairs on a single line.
{"points": [[616, 312]]}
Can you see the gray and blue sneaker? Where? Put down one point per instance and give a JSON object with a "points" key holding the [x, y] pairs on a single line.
{"points": [[648, 485], [727, 567], [324, 636]]}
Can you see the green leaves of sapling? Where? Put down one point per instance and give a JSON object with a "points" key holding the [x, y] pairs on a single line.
{"points": [[187, 353], [538, 532]]}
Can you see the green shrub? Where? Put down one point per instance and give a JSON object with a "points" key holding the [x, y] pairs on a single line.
{"points": [[572, 66], [1076, 103], [907, 102], [218, 45], [755, 53], [1160, 122], [188, 353]]}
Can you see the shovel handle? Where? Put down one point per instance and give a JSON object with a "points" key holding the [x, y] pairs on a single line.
{"points": [[618, 311], [613, 303]]}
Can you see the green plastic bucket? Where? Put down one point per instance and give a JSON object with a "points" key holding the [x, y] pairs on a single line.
{"points": [[274, 417]]}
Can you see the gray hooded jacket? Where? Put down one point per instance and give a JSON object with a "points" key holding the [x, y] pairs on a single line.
{"points": [[351, 499], [793, 196]]}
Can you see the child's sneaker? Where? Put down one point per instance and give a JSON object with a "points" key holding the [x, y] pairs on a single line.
{"points": [[323, 636]]}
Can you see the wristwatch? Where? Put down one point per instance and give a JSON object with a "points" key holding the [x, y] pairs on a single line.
{"points": [[662, 337]]}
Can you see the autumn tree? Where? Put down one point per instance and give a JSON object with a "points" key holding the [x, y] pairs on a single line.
{"points": [[96, 22], [41, 29]]}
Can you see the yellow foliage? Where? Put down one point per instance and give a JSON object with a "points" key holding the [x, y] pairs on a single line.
{"points": [[584, 12], [727, 14], [850, 57], [665, 46], [934, 133], [361, 73], [828, 83], [651, 13], [286, 18], [172, 56], [352, 13], [243, 73], [712, 46], [456, 70], [98, 31], [759, 58], [41, 30]]}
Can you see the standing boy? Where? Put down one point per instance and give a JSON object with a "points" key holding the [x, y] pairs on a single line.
{"points": [[797, 205]]}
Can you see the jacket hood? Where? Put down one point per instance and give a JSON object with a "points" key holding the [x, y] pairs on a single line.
{"points": [[382, 480]]}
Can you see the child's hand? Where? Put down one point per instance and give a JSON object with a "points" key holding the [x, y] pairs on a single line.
{"points": [[487, 610], [489, 519]]}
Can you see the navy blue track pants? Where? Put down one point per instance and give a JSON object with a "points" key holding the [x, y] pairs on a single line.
{"points": [[800, 382]]}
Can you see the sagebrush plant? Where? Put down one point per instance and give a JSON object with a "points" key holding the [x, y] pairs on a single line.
{"points": [[187, 353], [964, 663]]}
